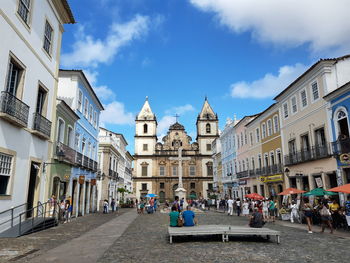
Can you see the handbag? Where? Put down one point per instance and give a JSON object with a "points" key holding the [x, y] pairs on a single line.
{"points": [[180, 223]]}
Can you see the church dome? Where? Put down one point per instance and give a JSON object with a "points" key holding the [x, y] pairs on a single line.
{"points": [[177, 126]]}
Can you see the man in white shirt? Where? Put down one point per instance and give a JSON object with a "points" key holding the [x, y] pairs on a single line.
{"points": [[294, 212], [230, 206]]}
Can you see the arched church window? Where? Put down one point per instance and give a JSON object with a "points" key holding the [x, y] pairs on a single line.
{"points": [[145, 128], [341, 115], [208, 128], [342, 123]]}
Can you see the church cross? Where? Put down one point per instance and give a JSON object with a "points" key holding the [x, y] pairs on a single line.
{"points": [[180, 158], [176, 116]]}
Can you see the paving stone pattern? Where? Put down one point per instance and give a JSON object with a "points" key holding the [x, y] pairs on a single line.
{"points": [[146, 240], [25, 248]]}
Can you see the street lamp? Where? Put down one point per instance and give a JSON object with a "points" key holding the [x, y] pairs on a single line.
{"points": [[60, 156], [100, 176]]}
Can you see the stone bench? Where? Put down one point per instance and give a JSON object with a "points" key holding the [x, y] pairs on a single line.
{"points": [[224, 230]]}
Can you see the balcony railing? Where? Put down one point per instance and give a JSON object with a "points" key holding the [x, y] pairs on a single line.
{"points": [[69, 153], [86, 162], [95, 166], [341, 146], [79, 159], [91, 164], [315, 153], [13, 107], [41, 124], [243, 174]]}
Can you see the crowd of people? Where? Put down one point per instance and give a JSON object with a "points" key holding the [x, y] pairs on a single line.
{"points": [[180, 217], [64, 210], [149, 205]]}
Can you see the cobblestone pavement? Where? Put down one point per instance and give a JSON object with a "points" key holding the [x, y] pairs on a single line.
{"points": [[25, 248], [146, 240]]}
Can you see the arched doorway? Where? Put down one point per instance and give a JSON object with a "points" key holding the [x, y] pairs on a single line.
{"points": [[162, 196], [341, 118]]}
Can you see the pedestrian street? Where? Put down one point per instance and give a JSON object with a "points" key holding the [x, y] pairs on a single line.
{"points": [[131, 237]]}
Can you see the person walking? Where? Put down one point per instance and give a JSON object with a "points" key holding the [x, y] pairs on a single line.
{"points": [[105, 206], [265, 209], [294, 212], [155, 205], [230, 207], [272, 210], [308, 212], [238, 205], [113, 204], [325, 216], [245, 207]]}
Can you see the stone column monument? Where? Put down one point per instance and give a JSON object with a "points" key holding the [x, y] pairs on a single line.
{"points": [[180, 191]]}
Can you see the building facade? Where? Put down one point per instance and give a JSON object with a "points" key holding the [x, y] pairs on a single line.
{"points": [[77, 92], [155, 173], [218, 186], [29, 58]]}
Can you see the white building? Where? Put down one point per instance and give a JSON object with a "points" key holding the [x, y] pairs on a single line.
{"points": [[29, 57]]}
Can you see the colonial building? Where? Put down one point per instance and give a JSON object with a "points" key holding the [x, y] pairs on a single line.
{"points": [[155, 173], [217, 169], [76, 91], [31, 33]]}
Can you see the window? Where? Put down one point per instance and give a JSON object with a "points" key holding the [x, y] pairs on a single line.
{"points": [[80, 101], [294, 105], [342, 126], [145, 128], [86, 105], [174, 170], [251, 138], [285, 110], [192, 170], [161, 185], [40, 102], [83, 146], [257, 135], [77, 138], [272, 158], [90, 116], [208, 147], [14, 75], [24, 9], [263, 127], [238, 141], [89, 150], [243, 165], [193, 185], [275, 123], [95, 119], [210, 169], [253, 163], [208, 128], [320, 137], [144, 170], [5, 172], [269, 127], [292, 147], [144, 187], [162, 170], [241, 139], [245, 138], [315, 92], [69, 136], [303, 98], [305, 145], [60, 131], [279, 156], [48, 38], [266, 157], [210, 186], [145, 147], [259, 161]]}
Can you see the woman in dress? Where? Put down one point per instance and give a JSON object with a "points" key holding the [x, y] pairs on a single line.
{"points": [[245, 207], [308, 212]]}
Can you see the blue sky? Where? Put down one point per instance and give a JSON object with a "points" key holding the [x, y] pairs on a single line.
{"points": [[238, 53]]}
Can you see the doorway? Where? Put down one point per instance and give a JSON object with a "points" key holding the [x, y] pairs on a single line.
{"points": [[34, 169]]}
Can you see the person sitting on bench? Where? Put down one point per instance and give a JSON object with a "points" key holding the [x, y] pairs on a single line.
{"points": [[188, 217], [174, 215], [256, 219]]}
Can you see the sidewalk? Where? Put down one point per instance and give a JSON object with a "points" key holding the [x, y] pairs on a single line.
{"points": [[92, 245]]}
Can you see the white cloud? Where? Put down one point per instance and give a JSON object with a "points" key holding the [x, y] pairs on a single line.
{"points": [[288, 22], [104, 93], [180, 109], [268, 86], [89, 51], [115, 113]]}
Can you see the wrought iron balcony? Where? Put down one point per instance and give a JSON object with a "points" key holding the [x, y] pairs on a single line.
{"points": [[69, 153], [315, 153], [91, 164], [13, 109], [243, 174], [86, 162], [79, 159], [341, 146], [41, 125], [95, 166]]}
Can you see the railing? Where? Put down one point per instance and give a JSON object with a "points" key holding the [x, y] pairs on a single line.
{"points": [[79, 159], [243, 174], [41, 124], [91, 164], [11, 216], [14, 107], [175, 152], [315, 153], [341, 146], [95, 166], [86, 162], [69, 153]]}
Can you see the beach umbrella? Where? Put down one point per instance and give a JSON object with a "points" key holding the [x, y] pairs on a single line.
{"points": [[254, 196], [343, 189], [151, 195], [319, 192], [291, 191], [192, 196]]}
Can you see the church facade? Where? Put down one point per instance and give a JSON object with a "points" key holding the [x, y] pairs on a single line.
{"points": [[156, 173]]}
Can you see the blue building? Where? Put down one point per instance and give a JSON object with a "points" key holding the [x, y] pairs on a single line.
{"points": [[339, 109], [77, 92]]}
